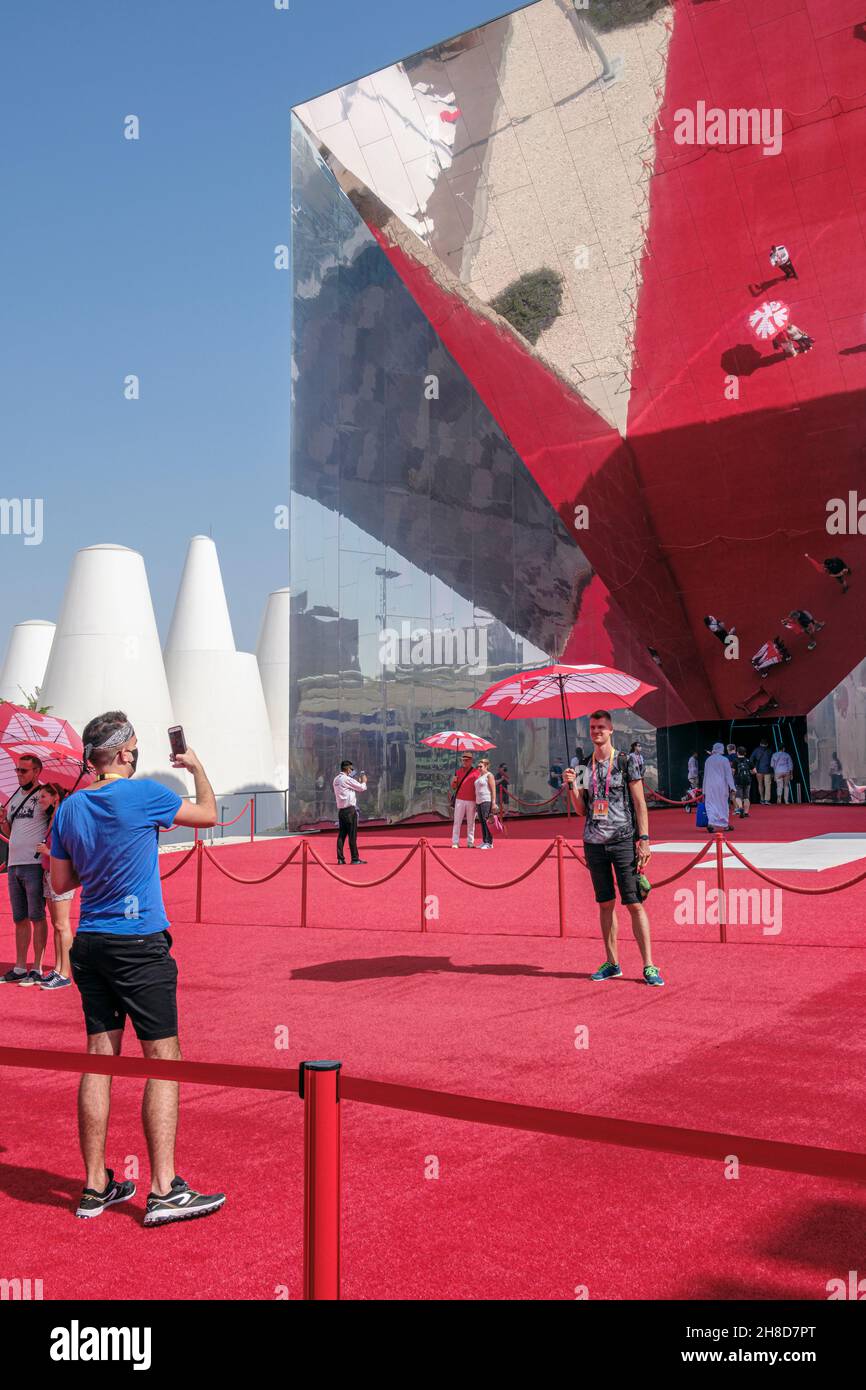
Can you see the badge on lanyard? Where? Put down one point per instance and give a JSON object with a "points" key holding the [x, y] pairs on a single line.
{"points": [[601, 804]]}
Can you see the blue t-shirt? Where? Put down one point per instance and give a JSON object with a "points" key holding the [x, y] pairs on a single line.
{"points": [[110, 836]]}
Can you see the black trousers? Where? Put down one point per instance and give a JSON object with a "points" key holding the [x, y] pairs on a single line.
{"points": [[484, 809], [348, 818]]}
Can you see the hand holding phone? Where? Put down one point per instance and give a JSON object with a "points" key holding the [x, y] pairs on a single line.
{"points": [[177, 740]]}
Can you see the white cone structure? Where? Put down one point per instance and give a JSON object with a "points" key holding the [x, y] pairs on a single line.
{"points": [[106, 653], [25, 660], [216, 691], [201, 621], [272, 654]]}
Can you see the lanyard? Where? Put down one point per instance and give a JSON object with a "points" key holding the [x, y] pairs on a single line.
{"points": [[607, 780]]}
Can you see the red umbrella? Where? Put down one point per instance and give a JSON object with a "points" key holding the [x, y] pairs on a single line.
{"points": [[48, 738], [769, 319], [566, 692]]}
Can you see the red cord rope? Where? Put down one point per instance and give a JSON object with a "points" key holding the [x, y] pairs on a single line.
{"points": [[174, 870], [534, 805], [790, 887], [662, 882], [650, 791], [473, 883], [224, 824], [236, 878], [365, 882]]}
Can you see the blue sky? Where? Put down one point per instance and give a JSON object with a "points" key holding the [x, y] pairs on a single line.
{"points": [[155, 257]]}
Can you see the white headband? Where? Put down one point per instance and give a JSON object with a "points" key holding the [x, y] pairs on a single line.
{"points": [[115, 740]]}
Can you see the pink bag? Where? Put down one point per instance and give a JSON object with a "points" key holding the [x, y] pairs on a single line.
{"points": [[497, 824]]}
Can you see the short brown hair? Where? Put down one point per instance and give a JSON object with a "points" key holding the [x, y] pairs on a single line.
{"points": [[602, 714], [31, 758]]}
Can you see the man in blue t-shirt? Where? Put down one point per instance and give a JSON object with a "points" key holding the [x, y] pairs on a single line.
{"points": [[105, 838]]}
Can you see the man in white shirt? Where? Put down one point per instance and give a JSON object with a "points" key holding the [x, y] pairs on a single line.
{"points": [[780, 258], [346, 788], [25, 822], [783, 765]]}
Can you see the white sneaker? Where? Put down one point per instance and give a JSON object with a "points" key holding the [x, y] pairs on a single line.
{"points": [[470, 844], [455, 846]]}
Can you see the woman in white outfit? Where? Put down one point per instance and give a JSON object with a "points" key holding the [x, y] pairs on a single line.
{"points": [[485, 800]]}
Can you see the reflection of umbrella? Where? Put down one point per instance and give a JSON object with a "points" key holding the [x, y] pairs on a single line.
{"points": [[54, 742], [769, 319], [457, 738], [565, 692]]}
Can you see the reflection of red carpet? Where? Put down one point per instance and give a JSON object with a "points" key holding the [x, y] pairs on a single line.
{"points": [[760, 1037]]}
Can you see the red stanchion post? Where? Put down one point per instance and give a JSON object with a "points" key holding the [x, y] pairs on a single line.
{"points": [[720, 876], [319, 1087], [423, 844], [560, 883], [199, 875], [304, 856], [252, 819]]}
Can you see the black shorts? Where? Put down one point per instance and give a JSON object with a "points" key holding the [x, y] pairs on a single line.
{"points": [[603, 861], [119, 976]]}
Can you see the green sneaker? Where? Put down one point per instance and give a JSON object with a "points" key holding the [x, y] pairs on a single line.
{"points": [[652, 976], [607, 972]]}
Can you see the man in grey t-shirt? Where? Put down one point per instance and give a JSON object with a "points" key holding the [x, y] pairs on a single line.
{"points": [[615, 841], [25, 823]]}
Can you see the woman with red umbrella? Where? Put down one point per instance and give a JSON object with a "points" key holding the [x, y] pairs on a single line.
{"points": [[59, 904], [33, 747]]}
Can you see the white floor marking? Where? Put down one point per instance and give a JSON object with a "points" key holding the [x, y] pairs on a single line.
{"points": [[810, 855]]}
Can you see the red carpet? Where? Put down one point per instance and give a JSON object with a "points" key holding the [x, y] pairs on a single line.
{"points": [[760, 1037]]}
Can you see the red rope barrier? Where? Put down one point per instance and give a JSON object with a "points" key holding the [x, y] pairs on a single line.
{"points": [[369, 882], [662, 882], [224, 824], [658, 796], [183, 860], [473, 883], [236, 878], [534, 805], [632, 1134], [790, 887], [569, 1124]]}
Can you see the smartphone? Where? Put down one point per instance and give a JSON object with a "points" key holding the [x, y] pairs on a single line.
{"points": [[176, 740]]}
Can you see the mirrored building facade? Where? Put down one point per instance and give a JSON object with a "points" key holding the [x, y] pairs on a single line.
{"points": [[426, 561], [530, 420]]}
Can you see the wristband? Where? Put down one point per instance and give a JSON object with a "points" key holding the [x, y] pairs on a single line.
{"points": [[643, 837]]}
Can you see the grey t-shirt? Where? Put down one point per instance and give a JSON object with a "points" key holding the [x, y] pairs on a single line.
{"points": [[617, 824], [28, 826]]}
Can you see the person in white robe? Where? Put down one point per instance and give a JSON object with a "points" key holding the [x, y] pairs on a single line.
{"points": [[718, 785]]}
